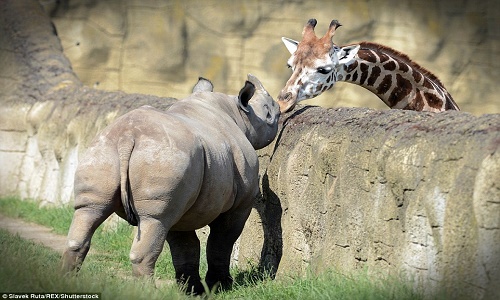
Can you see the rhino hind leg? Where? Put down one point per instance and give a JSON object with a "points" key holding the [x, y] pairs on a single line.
{"points": [[224, 232], [185, 249], [147, 246], [86, 219]]}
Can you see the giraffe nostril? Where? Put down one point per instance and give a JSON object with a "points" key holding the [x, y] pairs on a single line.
{"points": [[285, 96]]}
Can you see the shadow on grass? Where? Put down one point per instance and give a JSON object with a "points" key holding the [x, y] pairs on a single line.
{"points": [[251, 277]]}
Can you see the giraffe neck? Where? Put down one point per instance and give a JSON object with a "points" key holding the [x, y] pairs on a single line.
{"points": [[396, 80]]}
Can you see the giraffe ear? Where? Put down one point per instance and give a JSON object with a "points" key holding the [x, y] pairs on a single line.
{"points": [[346, 54], [290, 44]]}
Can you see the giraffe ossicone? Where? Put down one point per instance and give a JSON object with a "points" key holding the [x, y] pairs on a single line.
{"points": [[317, 64]]}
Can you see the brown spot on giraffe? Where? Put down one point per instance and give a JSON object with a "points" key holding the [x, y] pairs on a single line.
{"points": [[375, 73], [390, 66], [403, 67], [355, 76], [383, 58], [368, 56], [364, 73], [402, 89], [385, 85], [433, 100], [352, 66], [417, 76], [418, 103], [427, 83]]}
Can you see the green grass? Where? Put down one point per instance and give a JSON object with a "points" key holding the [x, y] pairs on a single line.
{"points": [[110, 248], [329, 285], [27, 267]]}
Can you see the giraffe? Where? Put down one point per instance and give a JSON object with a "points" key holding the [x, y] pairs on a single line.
{"points": [[317, 64]]}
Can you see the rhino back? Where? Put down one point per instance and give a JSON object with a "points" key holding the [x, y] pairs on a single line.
{"points": [[216, 119], [197, 164], [231, 163]]}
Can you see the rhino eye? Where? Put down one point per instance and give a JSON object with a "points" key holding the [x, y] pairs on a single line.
{"points": [[324, 70]]}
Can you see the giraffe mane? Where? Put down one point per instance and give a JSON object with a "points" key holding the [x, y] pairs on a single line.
{"points": [[403, 57]]}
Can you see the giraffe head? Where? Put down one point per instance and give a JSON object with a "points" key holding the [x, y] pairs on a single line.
{"points": [[314, 63]]}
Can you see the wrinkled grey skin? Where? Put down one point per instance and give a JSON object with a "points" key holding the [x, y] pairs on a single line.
{"points": [[174, 172]]}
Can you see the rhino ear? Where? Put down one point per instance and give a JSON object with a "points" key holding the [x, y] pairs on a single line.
{"points": [[255, 81], [246, 93], [203, 85]]}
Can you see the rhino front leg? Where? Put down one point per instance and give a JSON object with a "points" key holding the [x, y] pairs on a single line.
{"points": [[224, 232], [147, 246], [185, 249], [85, 221]]}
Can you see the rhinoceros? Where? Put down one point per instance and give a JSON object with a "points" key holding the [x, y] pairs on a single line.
{"points": [[172, 172]]}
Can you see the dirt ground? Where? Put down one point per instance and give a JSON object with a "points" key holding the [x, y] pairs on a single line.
{"points": [[34, 232]]}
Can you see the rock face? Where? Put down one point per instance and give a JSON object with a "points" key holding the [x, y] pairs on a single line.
{"points": [[409, 193], [157, 47], [47, 116], [412, 194]]}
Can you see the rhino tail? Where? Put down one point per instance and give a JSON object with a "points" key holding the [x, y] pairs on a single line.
{"points": [[125, 147]]}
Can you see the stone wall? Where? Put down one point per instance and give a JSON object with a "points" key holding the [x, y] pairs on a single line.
{"points": [[411, 194], [401, 192], [159, 47], [47, 117]]}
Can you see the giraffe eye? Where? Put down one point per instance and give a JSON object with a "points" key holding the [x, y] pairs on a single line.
{"points": [[324, 70], [288, 66]]}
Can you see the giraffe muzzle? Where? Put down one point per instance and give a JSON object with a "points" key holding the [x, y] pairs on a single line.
{"points": [[285, 97], [286, 101]]}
